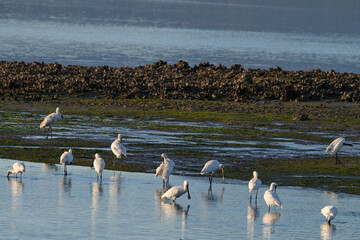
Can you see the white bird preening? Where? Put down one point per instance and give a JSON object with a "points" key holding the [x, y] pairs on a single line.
{"points": [[118, 148], [177, 191], [18, 167], [211, 167], [66, 158], [165, 169], [271, 198], [99, 165], [329, 212], [335, 147], [254, 184], [50, 120]]}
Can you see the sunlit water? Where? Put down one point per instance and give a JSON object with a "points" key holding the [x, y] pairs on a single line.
{"points": [[106, 130], [295, 35], [47, 205]]}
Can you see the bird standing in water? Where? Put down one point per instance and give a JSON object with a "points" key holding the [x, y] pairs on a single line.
{"points": [[335, 147], [50, 120]]}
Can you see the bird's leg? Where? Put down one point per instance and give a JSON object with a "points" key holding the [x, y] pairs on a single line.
{"points": [[65, 170], [16, 175], [114, 160], [256, 193], [48, 133], [250, 196], [269, 208]]}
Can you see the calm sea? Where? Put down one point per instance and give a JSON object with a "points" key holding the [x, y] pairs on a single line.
{"points": [[292, 34]]}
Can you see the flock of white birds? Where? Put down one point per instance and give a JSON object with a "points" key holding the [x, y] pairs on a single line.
{"points": [[167, 165]]}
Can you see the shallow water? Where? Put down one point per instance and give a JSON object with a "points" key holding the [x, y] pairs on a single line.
{"points": [[295, 35], [135, 138], [47, 205]]}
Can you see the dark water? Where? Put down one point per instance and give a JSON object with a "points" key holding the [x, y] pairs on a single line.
{"points": [[47, 205], [292, 34]]}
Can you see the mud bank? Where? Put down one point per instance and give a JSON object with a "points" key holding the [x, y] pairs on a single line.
{"points": [[35, 81]]}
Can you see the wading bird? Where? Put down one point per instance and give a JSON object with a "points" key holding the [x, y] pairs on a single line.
{"points": [[51, 120], [18, 167], [118, 148], [165, 169], [211, 167], [65, 159], [335, 147], [271, 198], [99, 165], [176, 192], [329, 212], [254, 184]]}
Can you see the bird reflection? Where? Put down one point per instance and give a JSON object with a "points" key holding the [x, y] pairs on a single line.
{"points": [[252, 214], [172, 210], [114, 188], [211, 197], [327, 231], [49, 167], [17, 189], [269, 219], [65, 185], [96, 192]]}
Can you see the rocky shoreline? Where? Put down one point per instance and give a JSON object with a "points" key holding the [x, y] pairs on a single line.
{"points": [[35, 81]]}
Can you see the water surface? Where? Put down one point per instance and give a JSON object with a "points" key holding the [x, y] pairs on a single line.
{"points": [[47, 205], [295, 35]]}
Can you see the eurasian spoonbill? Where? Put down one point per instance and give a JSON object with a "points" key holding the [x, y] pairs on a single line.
{"points": [[211, 167], [254, 184], [18, 167], [99, 165], [335, 147], [65, 159], [118, 148], [51, 120], [329, 212], [271, 198], [165, 169], [177, 191]]}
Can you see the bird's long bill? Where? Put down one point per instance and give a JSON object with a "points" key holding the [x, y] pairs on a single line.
{"points": [[189, 197], [222, 171]]}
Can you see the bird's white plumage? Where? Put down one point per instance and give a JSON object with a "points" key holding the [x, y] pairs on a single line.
{"points": [[118, 148], [167, 168], [67, 157], [271, 198], [159, 169], [211, 167], [177, 191], [51, 119], [18, 167], [254, 183], [329, 212], [99, 165], [335, 146]]}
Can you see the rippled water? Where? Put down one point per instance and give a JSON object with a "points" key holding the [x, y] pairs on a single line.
{"points": [[295, 35], [47, 205], [98, 129]]}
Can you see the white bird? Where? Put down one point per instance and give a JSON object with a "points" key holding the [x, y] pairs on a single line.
{"points": [[65, 159], [335, 147], [211, 167], [118, 148], [18, 167], [329, 212], [99, 165], [254, 184], [271, 198], [176, 192], [165, 169], [51, 120]]}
